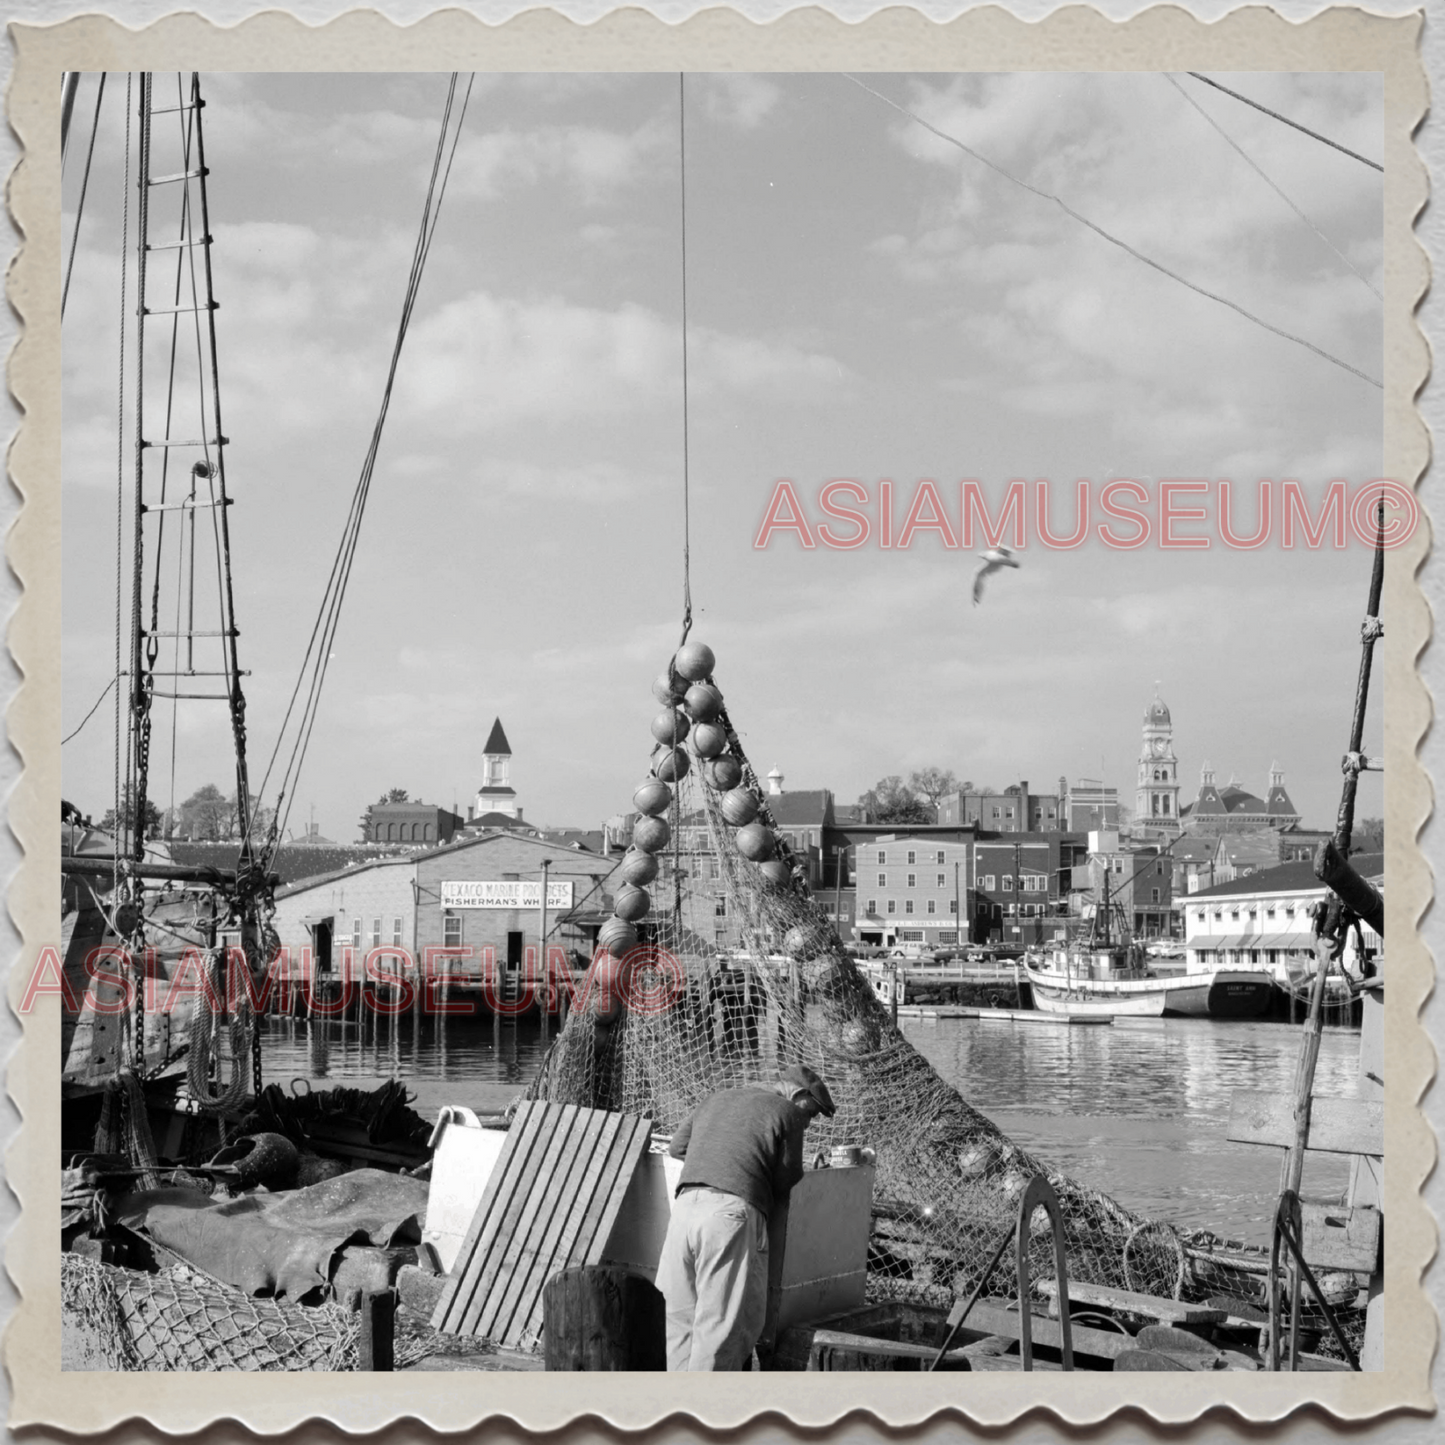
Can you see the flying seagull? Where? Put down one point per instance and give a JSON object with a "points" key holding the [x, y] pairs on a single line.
{"points": [[993, 559]]}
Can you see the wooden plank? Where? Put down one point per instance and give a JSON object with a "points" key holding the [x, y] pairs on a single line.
{"points": [[628, 1155], [527, 1263], [1338, 1237], [522, 1137], [1151, 1307], [1337, 1126], [482, 1318], [600, 1176], [994, 1319]]}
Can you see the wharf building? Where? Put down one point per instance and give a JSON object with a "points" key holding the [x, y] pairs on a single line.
{"points": [[480, 896], [1264, 920]]}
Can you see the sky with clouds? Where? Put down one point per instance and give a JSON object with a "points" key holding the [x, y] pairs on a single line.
{"points": [[864, 301]]}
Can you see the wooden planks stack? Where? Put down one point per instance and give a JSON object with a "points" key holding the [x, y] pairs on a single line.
{"points": [[549, 1205]]}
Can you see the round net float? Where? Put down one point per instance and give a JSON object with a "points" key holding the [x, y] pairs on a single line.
{"points": [[672, 764], [670, 726], [740, 806], [617, 936], [650, 835], [638, 867], [694, 661], [754, 842], [667, 690], [724, 773], [709, 739], [703, 702], [631, 904], [777, 873], [652, 797]]}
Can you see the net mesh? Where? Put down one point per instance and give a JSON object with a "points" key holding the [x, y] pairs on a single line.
{"points": [[765, 982]]}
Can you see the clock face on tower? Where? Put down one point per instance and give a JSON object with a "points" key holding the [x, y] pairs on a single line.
{"points": [[1158, 746]]}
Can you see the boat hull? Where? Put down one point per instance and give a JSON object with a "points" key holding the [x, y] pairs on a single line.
{"points": [[1087, 1001], [1241, 994]]}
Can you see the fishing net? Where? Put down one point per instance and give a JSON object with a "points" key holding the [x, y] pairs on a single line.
{"points": [[764, 982]]}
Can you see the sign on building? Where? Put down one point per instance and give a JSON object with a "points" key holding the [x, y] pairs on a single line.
{"points": [[485, 894]]}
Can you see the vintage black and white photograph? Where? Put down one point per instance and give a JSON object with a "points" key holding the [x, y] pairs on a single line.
{"points": [[724, 722]]}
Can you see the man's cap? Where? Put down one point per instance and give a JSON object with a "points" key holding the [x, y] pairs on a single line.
{"points": [[804, 1080]]}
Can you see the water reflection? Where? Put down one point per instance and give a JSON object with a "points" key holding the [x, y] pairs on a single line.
{"points": [[1139, 1109]]}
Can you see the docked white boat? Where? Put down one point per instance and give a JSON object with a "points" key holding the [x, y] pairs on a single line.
{"points": [[1093, 982]]}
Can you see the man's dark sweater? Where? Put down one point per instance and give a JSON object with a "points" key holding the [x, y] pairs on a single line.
{"points": [[743, 1141]]}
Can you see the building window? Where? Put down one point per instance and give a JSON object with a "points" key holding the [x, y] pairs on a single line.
{"points": [[931, 908], [396, 932], [376, 933], [953, 905], [872, 908], [720, 906], [882, 856], [1153, 895], [908, 905], [356, 933], [942, 880], [1008, 884], [913, 880], [941, 857], [1158, 870], [892, 906], [452, 930], [882, 880], [912, 857], [986, 882]]}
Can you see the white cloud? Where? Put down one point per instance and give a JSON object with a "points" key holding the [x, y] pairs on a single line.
{"points": [[740, 100]]}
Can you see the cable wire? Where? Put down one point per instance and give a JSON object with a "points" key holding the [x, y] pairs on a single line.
{"points": [[686, 516], [1112, 239], [84, 184], [1274, 114], [318, 649], [1259, 171]]}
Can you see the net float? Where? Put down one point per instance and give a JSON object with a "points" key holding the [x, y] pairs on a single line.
{"points": [[754, 842], [608, 983], [617, 936], [776, 872], [709, 739], [694, 661], [667, 690], [671, 764], [725, 773], [670, 726], [703, 702], [652, 797], [740, 806], [638, 867], [650, 834], [631, 904]]}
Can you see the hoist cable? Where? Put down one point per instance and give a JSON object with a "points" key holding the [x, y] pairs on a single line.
{"points": [[686, 502], [1274, 114], [1260, 172], [84, 184], [120, 479], [1112, 239]]}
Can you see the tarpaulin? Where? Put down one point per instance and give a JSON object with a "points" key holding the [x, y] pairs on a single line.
{"points": [[285, 1243]]}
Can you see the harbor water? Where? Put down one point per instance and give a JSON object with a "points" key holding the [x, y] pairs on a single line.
{"points": [[1139, 1109]]}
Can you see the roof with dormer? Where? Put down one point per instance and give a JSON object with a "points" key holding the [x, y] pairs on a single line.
{"points": [[497, 740]]}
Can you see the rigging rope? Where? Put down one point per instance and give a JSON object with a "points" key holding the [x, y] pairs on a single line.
{"points": [[84, 184], [323, 633], [686, 518], [1259, 171], [90, 714], [1274, 114], [1112, 239], [120, 476]]}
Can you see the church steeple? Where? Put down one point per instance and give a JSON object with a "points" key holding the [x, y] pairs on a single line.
{"points": [[1156, 797], [496, 795]]}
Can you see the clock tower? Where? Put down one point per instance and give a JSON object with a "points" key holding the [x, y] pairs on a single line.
{"points": [[1156, 799]]}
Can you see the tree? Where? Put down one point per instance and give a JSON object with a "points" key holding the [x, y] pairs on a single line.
{"points": [[207, 815], [891, 801], [1368, 836], [931, 784], [124, 824], [395, 795]]}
